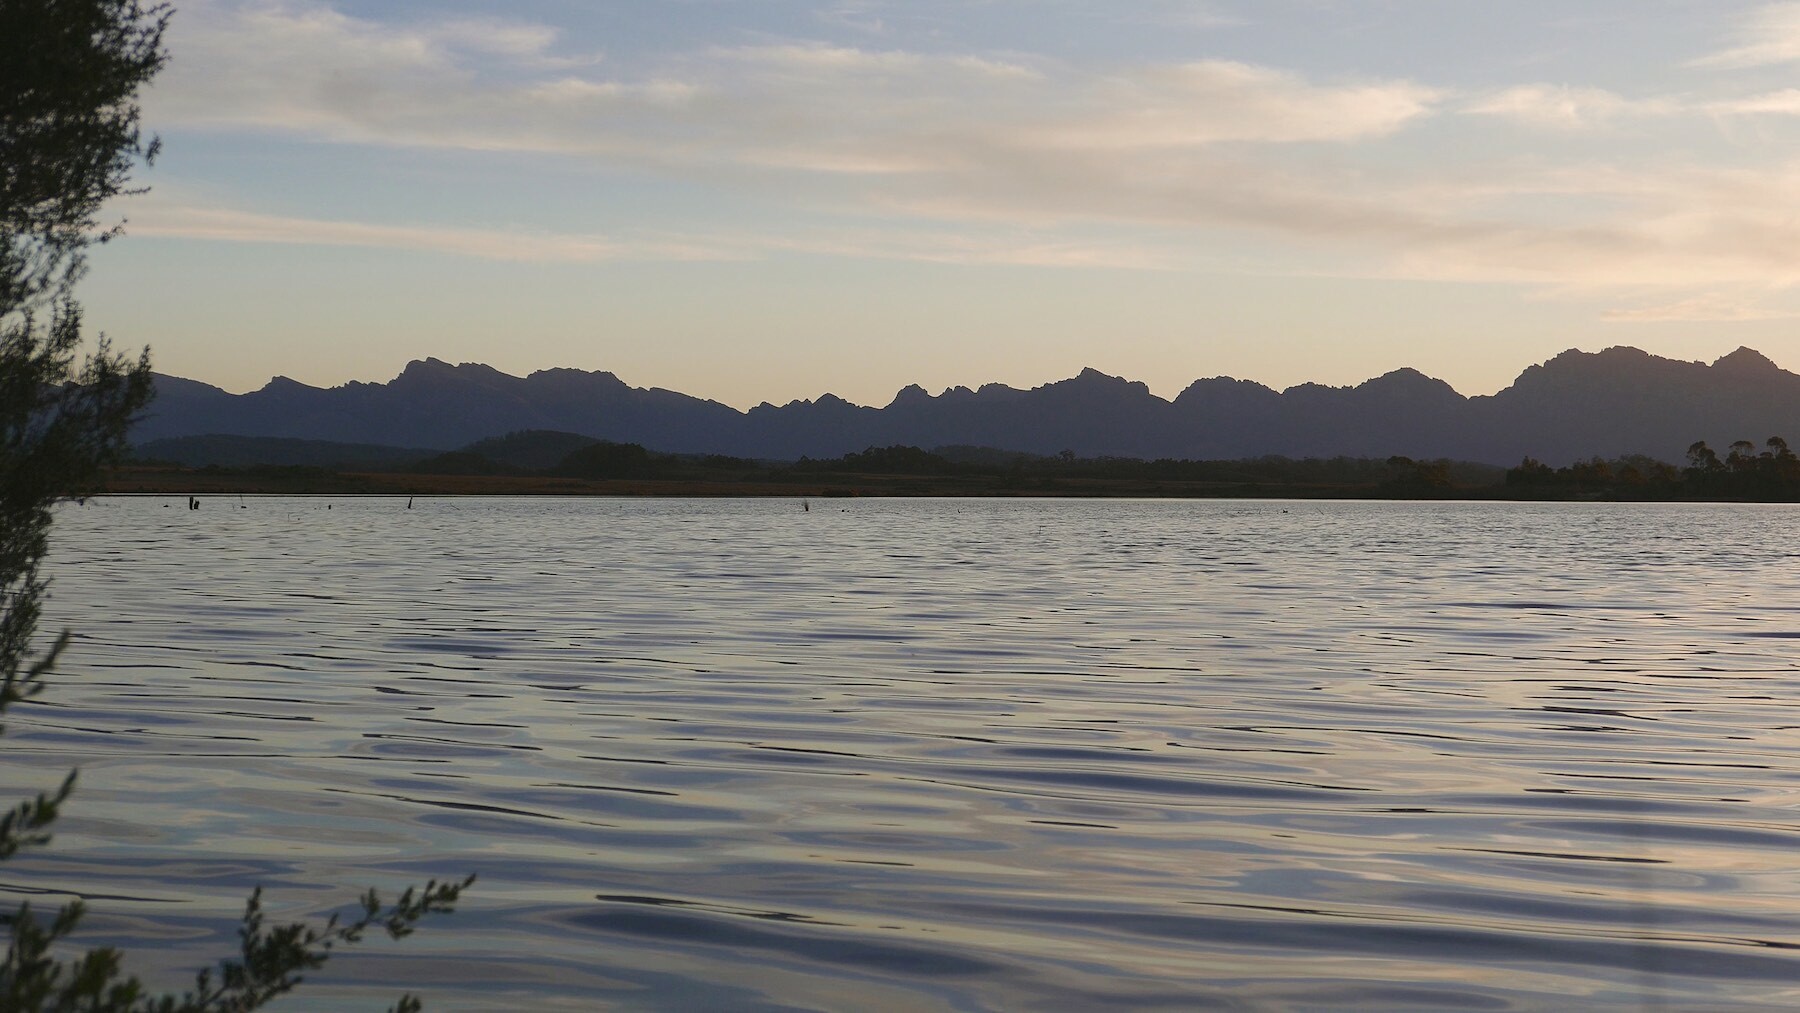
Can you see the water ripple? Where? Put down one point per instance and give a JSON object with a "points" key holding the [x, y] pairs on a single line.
{"points": [[943, 754]]}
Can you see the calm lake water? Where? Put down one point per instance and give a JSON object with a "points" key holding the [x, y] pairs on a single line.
{"points": [[942, 754]]}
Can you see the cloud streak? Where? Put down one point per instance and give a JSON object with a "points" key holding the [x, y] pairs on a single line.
{"points": [[158, 219], [1768, 35], [1710, 307], [1007, 158], [312, 70], [174, 221], [1560, 107]]}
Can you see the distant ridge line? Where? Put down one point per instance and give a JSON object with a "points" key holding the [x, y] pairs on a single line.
{"points": [[1573, 406]]}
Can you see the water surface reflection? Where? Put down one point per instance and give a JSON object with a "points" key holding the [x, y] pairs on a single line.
{"points": [[945, 754]]}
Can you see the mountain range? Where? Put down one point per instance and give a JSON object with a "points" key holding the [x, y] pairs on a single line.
{"points": [[1575, 406]]}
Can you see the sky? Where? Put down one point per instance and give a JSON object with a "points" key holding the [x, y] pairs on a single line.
{"points": [[764, 200]]}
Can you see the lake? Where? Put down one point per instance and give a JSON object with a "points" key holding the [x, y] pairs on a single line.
{"points": [[940, 754]]}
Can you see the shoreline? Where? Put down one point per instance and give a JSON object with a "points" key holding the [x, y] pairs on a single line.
{"points": [[314, 482]]}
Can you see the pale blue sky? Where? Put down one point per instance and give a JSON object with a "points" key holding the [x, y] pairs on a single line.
{"points": [[769, 200]]}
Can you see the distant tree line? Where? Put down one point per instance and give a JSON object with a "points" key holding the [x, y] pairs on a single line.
{"points": [[1744, 472], [982, 466], [1272, 469], [1772, 474]]}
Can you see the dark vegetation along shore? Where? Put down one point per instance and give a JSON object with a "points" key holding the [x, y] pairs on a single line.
{"points": [[538, 462]]}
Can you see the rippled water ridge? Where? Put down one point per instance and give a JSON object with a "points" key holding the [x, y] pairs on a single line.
{"points": [[942, 754]]}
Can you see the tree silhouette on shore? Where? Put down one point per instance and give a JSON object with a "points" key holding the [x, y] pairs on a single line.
{"points": [[70, 73]]}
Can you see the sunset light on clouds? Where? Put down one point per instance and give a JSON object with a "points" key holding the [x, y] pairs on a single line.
{"points": [[772, 200]]}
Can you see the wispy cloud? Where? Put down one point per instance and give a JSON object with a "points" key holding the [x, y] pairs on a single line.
{"points": [[886, 18], [941, 247], [1785, 102], [1561, 107], [1008, 158], [1676, 229], [865, 16], [169, 220], [190, 222], [1768, 35], [1207, 102], [1587, 110], [312, 70], [890, 131], [1710, 307]]}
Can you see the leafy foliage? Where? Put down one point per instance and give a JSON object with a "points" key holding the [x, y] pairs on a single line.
{"points": [[268, 965], [605, 459], [70, 71], [1773, 474]]}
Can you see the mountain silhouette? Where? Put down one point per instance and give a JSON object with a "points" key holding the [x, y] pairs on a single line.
{"points": [[1576, 405]]}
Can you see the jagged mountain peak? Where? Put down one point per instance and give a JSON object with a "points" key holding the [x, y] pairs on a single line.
{"points": [[575, 383], [1618, 363], [571, 373], [911, 396], [1404, 376], [285, 385], [1619, 352], [1094, 377], [1217, 387], [823, 401], [166, 382], [1622, 368], [1410, 383], [1746, 360], [433, 369], [1574, 405], [1092, 382]]}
